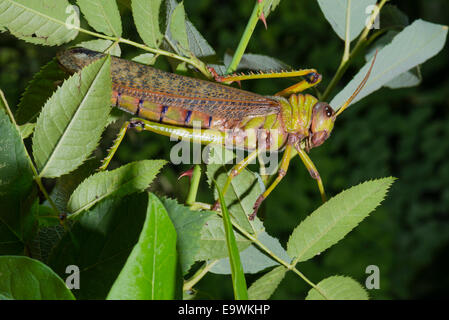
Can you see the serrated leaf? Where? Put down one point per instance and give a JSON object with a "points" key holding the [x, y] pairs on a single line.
{"points": [[188, 225], [40, 22], [99, 243], [133, 177], [213, 241], [261, 62], [101, 45], [253, 259], [18, 194], [71, 122], [338, 288], [150, 271], [102, 15], [264, 287], [199, 46], [39, 89], [146, 18], [333, 220], [335, 13], [23, 278], [412, 46]]}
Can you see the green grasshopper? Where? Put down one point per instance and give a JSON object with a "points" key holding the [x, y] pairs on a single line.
{"points": [[170, 105]]}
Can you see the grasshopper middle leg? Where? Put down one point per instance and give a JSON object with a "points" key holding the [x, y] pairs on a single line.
{"points": [[236, 170]]}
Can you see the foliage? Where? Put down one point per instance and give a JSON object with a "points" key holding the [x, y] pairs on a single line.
{"points": [[115, 231]]}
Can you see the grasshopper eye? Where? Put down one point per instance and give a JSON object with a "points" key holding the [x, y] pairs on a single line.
{"points": [[328, 111]]}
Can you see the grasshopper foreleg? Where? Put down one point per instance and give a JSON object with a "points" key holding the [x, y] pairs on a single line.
{"points": [[312, 170]]}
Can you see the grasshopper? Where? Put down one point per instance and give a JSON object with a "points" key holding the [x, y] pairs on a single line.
{"points": [[169, 104]]}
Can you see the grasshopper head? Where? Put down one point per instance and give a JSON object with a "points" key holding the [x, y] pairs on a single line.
{"points": [[323, 117], [73, 60]]}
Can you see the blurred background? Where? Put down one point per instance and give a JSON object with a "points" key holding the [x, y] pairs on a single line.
{"points": [[402, 133]]}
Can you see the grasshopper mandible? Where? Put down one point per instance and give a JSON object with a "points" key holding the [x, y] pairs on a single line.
{"points": [[169, 104]]}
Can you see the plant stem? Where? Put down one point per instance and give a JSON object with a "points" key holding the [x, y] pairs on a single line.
{"points": [[194, 183], [346, 61], [258, 9], [347, 33], [188, 284]]}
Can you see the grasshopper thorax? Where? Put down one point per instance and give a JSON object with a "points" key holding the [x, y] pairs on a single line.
{"points": [[323, 118]]}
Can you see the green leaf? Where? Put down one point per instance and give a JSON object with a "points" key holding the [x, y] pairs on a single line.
{"points": [[99, 243], [47, 237], [133, 177], [188, 225], [338, 288], [102, 15], [333, 220], [26, 130], [412, 46], [263, 288], [178, 31], [150, 271], [213, 240], [238, 277], [146, 18], [38, 22], [407, 79], [242, 192], [335, 13], [199, 46], [71, 122], [18, 195], [23, 278], [100, 45], [38, 91], [66, 184], [145, 58], [253, 259]]}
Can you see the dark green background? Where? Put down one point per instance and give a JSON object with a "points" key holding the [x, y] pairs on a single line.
{"points": [[402, 133]]}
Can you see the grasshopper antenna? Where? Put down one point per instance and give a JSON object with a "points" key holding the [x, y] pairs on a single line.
{"points": [[359, 88]]}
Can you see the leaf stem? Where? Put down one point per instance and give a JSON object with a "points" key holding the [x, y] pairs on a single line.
{"points": [[254, 18]]}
